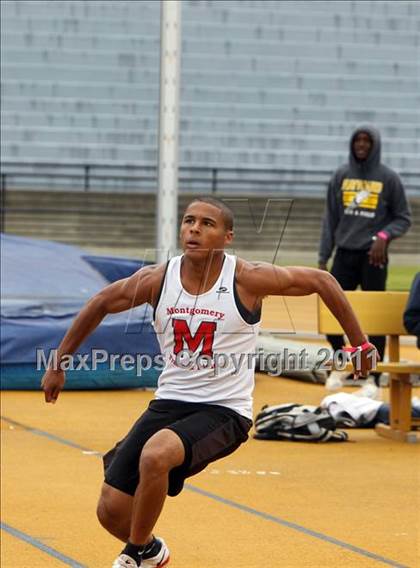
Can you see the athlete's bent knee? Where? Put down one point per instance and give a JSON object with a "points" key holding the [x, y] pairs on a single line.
{"points": [[107, 514], [114, 511], [154, 461], [161, 453]]}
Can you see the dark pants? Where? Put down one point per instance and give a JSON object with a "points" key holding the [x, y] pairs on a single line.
{"points": [[352, 269], [384, 412]]}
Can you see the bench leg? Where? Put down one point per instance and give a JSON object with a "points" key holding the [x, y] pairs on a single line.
{"points": [[400, 410], [400, 402]]}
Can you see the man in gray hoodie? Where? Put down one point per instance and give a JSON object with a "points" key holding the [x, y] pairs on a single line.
{"points": [[366, 209]]}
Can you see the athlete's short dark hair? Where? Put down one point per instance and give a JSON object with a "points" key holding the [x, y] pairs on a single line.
{"points": [[221, 205]]}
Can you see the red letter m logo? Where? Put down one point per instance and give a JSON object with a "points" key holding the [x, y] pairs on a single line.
{"points": [[204, 334]]}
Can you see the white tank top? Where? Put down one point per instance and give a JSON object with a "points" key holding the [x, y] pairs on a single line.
{"points": [[208, 347]]}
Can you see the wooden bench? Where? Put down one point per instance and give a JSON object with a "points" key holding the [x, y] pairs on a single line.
{"points": [[381, 313]]}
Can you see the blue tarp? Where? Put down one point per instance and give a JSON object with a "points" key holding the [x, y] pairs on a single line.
{"points": [[44, 285], [114, 268]]}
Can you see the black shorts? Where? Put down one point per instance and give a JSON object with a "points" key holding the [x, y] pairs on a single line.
{"points": [[208, 432]]}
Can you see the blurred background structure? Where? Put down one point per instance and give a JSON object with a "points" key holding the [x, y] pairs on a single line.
{"points": [[270, 93]]}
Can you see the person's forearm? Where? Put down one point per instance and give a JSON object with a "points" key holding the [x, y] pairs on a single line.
{"points": [[334, 298], [85, 323]]}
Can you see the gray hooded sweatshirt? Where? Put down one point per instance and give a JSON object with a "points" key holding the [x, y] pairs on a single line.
{"points": [[364, 197]]}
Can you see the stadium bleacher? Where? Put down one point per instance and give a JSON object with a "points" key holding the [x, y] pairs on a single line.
{"points": [[277, 84]]}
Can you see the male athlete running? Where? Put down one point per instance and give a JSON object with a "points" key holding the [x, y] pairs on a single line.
{"points": [[207, 307]]}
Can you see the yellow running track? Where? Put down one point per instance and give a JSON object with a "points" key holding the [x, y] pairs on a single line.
{"points": [[277, 504]]}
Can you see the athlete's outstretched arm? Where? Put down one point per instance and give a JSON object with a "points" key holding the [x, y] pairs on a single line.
{"points": [[122, 295], [264, 279]]}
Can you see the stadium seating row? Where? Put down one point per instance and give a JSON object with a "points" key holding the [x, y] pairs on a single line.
{"points": [[114, 121], [207, 138], [75, 71], [223, 94], [74, 106], [269, 33], [199, 156], [363, 14]]}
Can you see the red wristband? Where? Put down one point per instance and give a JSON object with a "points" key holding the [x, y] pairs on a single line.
{"points": [[364, 347], [383, 235]]}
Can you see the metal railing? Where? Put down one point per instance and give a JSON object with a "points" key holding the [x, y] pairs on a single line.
{"points": [[143, 178]]}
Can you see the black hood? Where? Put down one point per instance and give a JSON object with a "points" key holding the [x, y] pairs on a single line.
{"points": [[374, 158]]}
